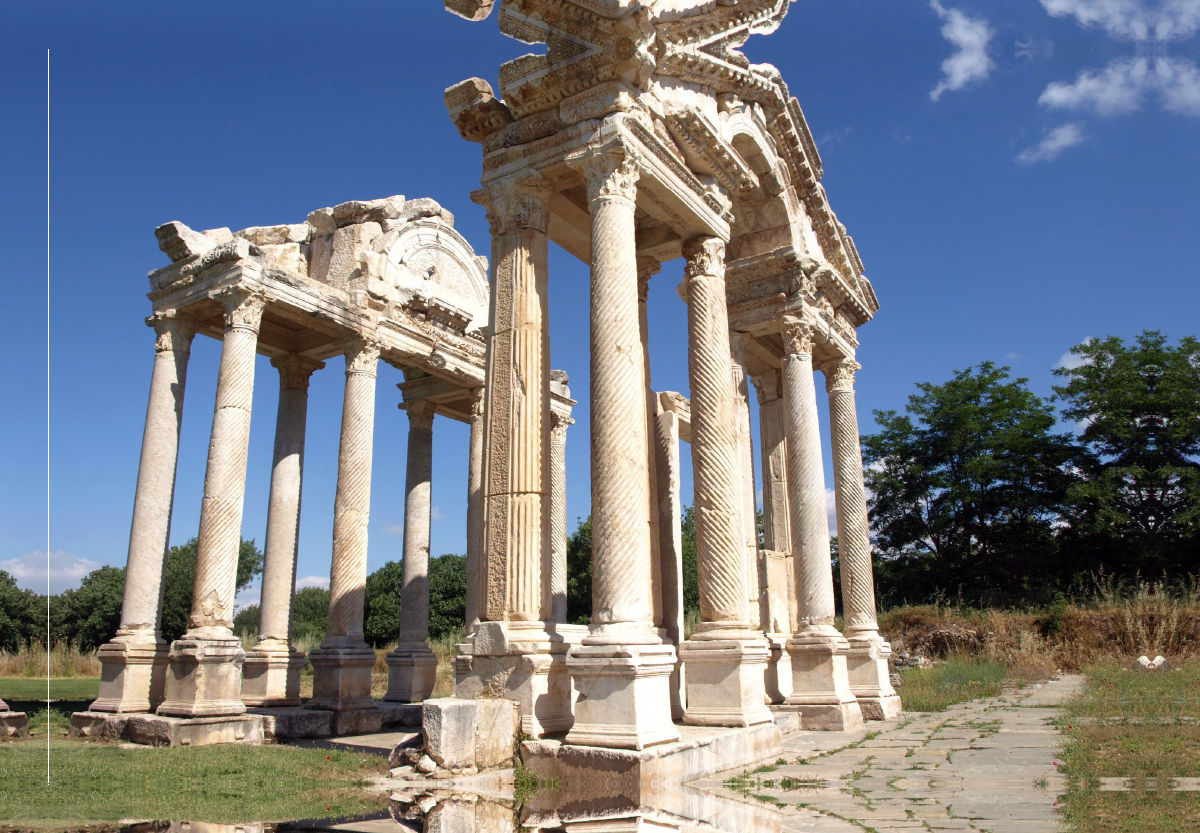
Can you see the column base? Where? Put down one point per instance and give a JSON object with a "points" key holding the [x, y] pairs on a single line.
{"points": [[870, 679], [13, 724], [342, 677], [725, 679], [525, 662], [271, 675], [412, 672], [624, 697], [205, 678], [820, 681], [778, 680], [133, 675]]}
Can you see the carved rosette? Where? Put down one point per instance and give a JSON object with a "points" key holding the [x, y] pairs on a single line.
{"points": [[798, 337], [705, 257], [517, 203], [171, 334], [295, 371], [610, 171], [362, 356], [839, 375], [243, 308], [420, 414]]}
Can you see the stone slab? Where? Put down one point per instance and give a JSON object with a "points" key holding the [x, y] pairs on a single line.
{"points": [[161, 730], [451, 726], [288, 724], [107, 725]]}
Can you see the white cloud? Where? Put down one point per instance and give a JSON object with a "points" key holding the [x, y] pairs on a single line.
{"points": [[1056, 141], [313, 581], [1132, 19], [970, 61], [1071, 361], [1179, 85], [1112, 91], [249, 596], [393, 529], [64, 569], [435, 514]]}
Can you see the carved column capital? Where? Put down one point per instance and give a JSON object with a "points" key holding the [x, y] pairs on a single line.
{"points": [[362, 356], [171, 333], [295, 371], [420, 413], [766, 384], [798, 337], [521, 202], [610, 171], [647, 268], [705, 257], [243, 308], [839, 375], [476, 400]]}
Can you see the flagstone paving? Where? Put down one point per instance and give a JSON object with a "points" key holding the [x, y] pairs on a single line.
{"points": [[986, 765]]}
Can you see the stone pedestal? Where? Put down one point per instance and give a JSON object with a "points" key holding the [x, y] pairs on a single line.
{"points": [[870, 678], [12, 724], [342, 684], [271, 675], [725, 681], [412, 672], [205, 678], [778, 679], [821, 683], [133, 675], [624, 692]]}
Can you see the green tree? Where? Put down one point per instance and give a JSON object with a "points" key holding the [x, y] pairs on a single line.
{"points": [[181, 576], [89, 617], [447, 595], [22, 614], [1135, 502], [966, 495], [381, 622], [691, 578], [310, 612]]}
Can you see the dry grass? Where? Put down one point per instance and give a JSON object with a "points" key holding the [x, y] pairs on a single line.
{"points": [[1116, 623], [445, 648], [63, 660]]}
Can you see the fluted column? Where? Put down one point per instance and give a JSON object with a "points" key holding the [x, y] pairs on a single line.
{"points": [[670, 513], [559, 421], [755, 580], [135, 660], [474, 509], [342, 665], [820, 684], [725, 658], [271, 672], [867, 662], [412, 667], [206, 663], [622, 669], [648, 267]]}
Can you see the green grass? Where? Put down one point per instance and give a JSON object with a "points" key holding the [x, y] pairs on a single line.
{"points": [[1093, 750], [100, 782], [61, 688], [954, 681]]}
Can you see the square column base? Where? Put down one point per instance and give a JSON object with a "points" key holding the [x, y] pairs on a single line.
{"points": [[624, 697], [870, 680], [342, 677], [205, 678], [525, 662], [412, 673], [271, 676], [821, 683], [778, 681], [725, 681], [13, 724], [133, 675]]}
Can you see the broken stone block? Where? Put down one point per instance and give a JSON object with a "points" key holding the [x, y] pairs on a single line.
{"points": [[218, 235], [276, 235], [470, 9], [371, 211], [287, 257], [322, 221], [475, 110], [179, 242], [348, 243], [425, 207], [497, 724], [449, 726], [426, 765]]}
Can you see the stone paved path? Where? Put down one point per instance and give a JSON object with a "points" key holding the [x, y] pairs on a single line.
{"points": [[986, 765]]}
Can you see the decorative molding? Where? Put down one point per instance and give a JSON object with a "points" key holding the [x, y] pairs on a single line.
{"points": [[520, 202], [243, 308], [558, 427], [362, 356], [705, 256], [420, 413], [798, 336], [839, 375], [610, 171]]}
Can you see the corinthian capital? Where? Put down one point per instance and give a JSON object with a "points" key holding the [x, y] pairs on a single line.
{"points": [[521, 202], [647, 268], [420, 413], [839, 375], [243, 307], [610, 171], [362, 356], [476, 399], [171, 333], [705, 256], [797, 336], [767, 386], [295, 371], [558, 427]]}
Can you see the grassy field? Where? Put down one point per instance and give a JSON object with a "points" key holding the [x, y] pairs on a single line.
{"points": [[100, 782], [31, 688], [958, 679], [1153, 743]]}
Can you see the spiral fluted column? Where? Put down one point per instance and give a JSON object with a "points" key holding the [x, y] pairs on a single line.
{"points": [[558, 515], [135, 660], [474, 510], [648, 267], [206, 663], [725, 658], [271, 672], [755, 580]]}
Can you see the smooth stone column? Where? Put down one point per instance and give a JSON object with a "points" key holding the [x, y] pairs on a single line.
{"points": [[777, 561], [134, 662], [820, 683], [557, 578], [206, 663], [725, 658], [670, 546], [867, 661], [622, 668], [342, 665], [648, 267], [271, 671], [412, 667], [474, 510]]}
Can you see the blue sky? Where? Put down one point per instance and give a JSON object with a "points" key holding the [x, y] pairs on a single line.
{"points": [[1018, 176]]}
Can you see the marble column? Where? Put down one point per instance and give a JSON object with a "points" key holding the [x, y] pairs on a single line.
{"points": [[647, 268], [514, 649], [134, 662], [206, 663], [271, 671], [820, 683], [670, 547], [474, 510], [412, 667], [756, 596], [725, 658], [867, 661], [557, 574], [342, 665], [777, 561], [622, 668]]}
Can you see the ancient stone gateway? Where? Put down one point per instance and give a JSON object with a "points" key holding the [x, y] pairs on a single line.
{"points": [[640, 136]]}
